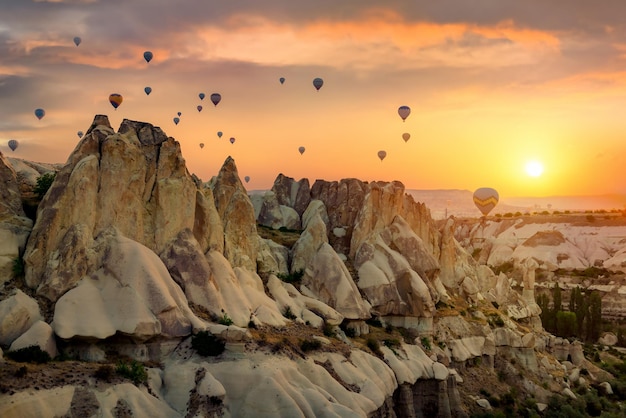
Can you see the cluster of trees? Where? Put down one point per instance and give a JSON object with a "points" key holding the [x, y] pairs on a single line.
{"points": [[581, 319]]}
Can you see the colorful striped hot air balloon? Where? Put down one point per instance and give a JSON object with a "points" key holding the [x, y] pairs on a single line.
{"points": [[116, 100], [486, 199]]}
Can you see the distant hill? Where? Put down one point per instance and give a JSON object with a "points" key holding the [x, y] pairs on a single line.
{"points": [[460, 203]]}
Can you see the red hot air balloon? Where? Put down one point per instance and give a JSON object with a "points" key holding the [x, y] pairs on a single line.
{"points": [[404, 112], [216, 98], [232, 140]]}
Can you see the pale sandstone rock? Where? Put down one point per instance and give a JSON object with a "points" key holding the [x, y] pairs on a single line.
{"points": [[40, 335], [327, 279], [390, 284], [132, 293], [237, 214], [465, 348], [135, 181], [308, 309], [608, 338], [18, 313], [138, 402], [272, 258], [54, 402]]}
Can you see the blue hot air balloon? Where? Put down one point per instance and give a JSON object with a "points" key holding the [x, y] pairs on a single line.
{"points": [[318, 83], [80, 134], [176, 120], [219, 134], [40, 113], [282, 80], [148, 56], [215, 98], [201, 96], [179, 114], [148, 90], [77, 40], [13, 144]]}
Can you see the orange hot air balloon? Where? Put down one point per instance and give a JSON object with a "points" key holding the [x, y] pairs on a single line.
{"points": [[116, 99], [406, 136], [382, 154], [486, 199]]}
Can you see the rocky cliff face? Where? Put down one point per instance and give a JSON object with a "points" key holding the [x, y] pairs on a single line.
{"points": [[131, 255]]}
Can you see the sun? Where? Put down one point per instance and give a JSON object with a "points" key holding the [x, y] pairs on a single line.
{"points": [[534, 168]]}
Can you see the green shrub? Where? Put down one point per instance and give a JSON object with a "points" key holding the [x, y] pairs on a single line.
{"points": [[287, 313], [292, 278], [30, 354], [425, 343], [374, 322], [328, 330], [374, 345], [495, 320], [43, 184], [310, 345], [104, 372], [207, 344], [18, 267], [225, 320], [134, 371], [392, 343]]}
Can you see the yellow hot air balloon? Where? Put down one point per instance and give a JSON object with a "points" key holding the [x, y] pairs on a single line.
{"points": [[486, 199]]}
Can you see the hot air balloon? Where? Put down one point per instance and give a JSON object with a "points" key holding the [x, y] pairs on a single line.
{"points": [[116, 99], [199, 108], [13, 144], [40, 113], [301, 150], [201, 145], [282, 80], [148, 90], [148, 56], [77, 40], [404, 112], [382, 155], [219, 134], [176, 120], [318, 83], [215, 98], [247, 178], [80, 134], [201, 96], [406, 136], [179, 114], [486, 199], [232, 140]]}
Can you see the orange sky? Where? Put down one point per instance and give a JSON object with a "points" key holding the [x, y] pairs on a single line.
{"points": [[489, 89]]}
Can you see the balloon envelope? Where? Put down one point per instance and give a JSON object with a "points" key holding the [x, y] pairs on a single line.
{"points": [[486, 199], [148, 90], [215, 98], [179, 114], [406, 136], [232, 140], [201, 96], [247, 178], [382, 155], [116, 99], [80, 134], [13, 144], [147, 56], [176, 120], [201, 145], [40, 113], [77, 40], [318, 83], [404, 112], [282, 80], [219, 134], [301, 150], [199, 108]]}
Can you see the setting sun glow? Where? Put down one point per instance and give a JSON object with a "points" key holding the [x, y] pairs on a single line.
{"points": [[534, 168]]}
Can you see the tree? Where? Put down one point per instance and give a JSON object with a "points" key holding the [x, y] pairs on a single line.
{"points": [[43, 184], [594, 322], [578, 304], [566, 324]]}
